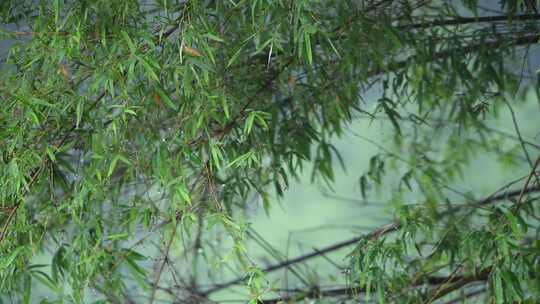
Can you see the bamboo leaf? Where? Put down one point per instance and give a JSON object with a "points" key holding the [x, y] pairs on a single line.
{"points": [[6, 261]]}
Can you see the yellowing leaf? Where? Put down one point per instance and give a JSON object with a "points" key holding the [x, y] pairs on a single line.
{"points": [[191, 51]]}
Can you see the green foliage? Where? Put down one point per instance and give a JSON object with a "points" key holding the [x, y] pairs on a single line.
{"points": [[129, 121]]}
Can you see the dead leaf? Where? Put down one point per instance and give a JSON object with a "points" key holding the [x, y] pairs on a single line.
{"points": [[64, 70], [157, 99]]}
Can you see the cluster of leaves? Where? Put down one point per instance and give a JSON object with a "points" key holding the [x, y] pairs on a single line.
{"points": [[127, 117], [442, 256]]}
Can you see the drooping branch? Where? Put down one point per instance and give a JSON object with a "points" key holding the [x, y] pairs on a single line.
{"points": [[391, 67], [373, 235], [34, 175], [376, 234]]}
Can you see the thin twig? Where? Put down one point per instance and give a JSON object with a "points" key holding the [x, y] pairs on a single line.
{"points": [[349, 292], [528, 180], [518, 133], [468, 20], [162, 265]]}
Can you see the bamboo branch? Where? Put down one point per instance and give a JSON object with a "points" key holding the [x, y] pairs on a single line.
{"points": [[469, 20], [455, 281], [374, 235]]}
